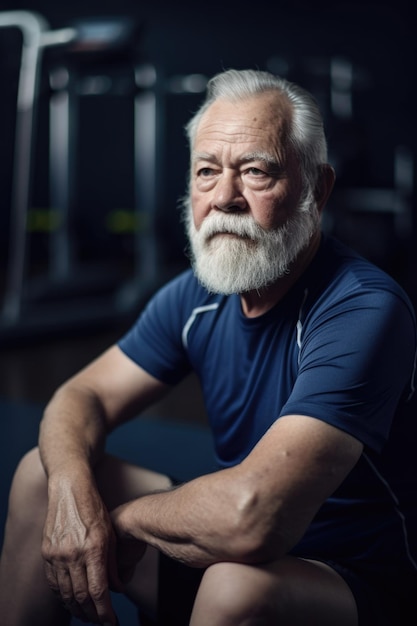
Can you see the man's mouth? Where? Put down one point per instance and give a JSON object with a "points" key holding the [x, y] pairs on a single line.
{"points": [[228, 233], [231, 235]]}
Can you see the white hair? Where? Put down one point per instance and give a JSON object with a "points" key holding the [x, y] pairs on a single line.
{"points": [[306, 132]]}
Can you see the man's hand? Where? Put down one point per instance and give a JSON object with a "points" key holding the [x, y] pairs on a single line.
{"points": [[129, 550], [79, 548]]}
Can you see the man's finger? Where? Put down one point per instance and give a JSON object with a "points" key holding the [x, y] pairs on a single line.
{"points": [[82, 602], [66, 593], [98, 586], [51, 579], [65, 586]]}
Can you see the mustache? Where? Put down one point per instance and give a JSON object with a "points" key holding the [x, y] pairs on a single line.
{"points": [[240, 225]]}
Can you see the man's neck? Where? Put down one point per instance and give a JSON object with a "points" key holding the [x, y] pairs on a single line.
{"points": [[257, 302]]}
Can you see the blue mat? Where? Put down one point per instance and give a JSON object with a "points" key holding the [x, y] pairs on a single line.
{"points": [[181, 450]]}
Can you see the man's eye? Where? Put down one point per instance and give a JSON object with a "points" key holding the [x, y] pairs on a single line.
{"points": [[266, 172], [204, 172], [257, 173]]}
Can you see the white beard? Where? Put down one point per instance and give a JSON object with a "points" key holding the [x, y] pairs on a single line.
{"points": [[256, 257]]}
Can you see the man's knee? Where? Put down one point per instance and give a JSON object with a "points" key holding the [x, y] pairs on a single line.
{"points": [[232, 592], [290, 589], [29, 487]]}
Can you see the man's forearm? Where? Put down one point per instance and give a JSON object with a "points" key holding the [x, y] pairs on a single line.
{"points": [[78, 541], [202, 522], [72, 430]]}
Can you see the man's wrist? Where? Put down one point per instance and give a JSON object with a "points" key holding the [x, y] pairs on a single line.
{"points": [[76, 472], [123, 523]]}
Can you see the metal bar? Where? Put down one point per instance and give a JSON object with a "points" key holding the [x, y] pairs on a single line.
{"points": [[31, 26]]}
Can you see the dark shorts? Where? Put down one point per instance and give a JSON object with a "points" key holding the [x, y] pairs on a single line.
{"points": [[178, 586], [383, 598], [377, 604]]}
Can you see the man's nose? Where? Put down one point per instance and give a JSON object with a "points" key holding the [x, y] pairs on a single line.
{"points": [[228, 194]]}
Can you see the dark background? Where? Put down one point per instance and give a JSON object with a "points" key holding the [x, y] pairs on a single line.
{"points": [[304, 41], [62, 325]]}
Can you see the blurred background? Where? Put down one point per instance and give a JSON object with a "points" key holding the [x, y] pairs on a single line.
{"points": [[94, 96], [93, 158]]}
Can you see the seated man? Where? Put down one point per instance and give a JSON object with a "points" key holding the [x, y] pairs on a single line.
{"points": [[305, 352]]}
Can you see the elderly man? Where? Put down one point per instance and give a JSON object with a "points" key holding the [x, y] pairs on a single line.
{"points": [[305, 352]]}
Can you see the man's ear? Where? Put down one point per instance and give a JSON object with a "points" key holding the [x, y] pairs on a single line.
{"points": [[324, 185]]}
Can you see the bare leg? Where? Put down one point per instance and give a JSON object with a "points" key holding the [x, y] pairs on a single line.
{"points": [[25, 598], [289, 592]]}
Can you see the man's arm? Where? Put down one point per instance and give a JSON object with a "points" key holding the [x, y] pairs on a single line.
{"points": [[78, 543], [254, 512]]}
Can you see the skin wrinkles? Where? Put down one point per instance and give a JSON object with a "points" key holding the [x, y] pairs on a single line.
{"points": [[269, 162], [228, 186], [221, 144], [225, 520]]}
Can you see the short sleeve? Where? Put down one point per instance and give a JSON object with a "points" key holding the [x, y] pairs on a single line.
{"points": [[355, 362], [154, 341]]}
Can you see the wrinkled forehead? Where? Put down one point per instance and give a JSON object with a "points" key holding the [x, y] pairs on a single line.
{"points": [[265, 115]]}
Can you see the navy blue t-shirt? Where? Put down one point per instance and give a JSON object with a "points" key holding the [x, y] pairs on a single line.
{"points": [[339, 347]]}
